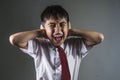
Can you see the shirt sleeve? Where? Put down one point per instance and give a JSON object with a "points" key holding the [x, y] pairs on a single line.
{"points": [[31, 50], [77, 46], [84, 49]]}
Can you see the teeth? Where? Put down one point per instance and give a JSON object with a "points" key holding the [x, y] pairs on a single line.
{"points": [[57, 35]]}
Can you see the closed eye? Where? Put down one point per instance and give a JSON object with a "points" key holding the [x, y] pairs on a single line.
{"points": [[52, 25], [63, 24]]}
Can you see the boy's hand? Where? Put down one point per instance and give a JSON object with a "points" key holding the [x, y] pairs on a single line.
{"points": [[42, 33], [41, 26], [70, 32]]}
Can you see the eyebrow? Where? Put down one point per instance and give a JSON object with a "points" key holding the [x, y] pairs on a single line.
{"points": [[62, 22], [52, 23]]}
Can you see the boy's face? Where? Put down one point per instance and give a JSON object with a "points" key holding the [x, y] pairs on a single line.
{"points": [[56, 30]]}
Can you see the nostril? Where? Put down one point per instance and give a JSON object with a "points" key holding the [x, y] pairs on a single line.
{"points": [[57, 30]]}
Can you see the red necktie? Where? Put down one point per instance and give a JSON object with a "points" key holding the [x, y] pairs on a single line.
{"points": [[64, 63]]}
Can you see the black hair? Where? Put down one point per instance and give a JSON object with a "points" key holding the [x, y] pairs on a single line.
{"points": [[55, 12]]}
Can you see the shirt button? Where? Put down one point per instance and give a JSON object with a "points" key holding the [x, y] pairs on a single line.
{"points": [[57, 62]]}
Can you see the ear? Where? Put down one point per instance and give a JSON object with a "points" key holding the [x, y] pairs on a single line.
{"points": [[41, 26], [69, 25]]}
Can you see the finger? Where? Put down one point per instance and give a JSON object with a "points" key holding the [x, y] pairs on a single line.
{"points": [[69, 25], [41, 26]]}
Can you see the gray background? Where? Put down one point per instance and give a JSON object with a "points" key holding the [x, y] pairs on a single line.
{"points": [[101, 15]]}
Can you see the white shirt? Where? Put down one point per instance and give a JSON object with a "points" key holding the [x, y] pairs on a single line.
{"points": [[47, 61]]}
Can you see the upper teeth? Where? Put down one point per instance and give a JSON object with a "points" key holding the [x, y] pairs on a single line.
{"points": [[57, 35]]}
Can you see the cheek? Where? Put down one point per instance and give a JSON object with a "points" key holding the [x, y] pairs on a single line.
{"points": [[49, 32], [66, 31]]}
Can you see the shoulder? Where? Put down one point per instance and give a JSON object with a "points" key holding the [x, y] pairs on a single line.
{"points": [[43, 42], [73, 42]]}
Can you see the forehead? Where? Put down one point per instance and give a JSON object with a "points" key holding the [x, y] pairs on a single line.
{"points": [[52, 20]]}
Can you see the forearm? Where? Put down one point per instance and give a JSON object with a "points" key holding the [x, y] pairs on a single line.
{"points": [[90, 36], [21, 38]]}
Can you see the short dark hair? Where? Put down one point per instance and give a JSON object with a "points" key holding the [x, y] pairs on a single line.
{"points": [[54, 11]]}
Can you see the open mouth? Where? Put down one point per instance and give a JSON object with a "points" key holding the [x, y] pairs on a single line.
{"points": [[58, 38]]}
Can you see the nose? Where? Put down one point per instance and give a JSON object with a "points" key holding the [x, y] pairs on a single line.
{"points": [[57, 29]]}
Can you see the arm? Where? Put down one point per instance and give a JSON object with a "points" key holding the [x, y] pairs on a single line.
{"points": [[91, 37], [20, 39]]}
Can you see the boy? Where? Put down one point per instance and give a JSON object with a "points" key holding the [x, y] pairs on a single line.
{"points": [[45, 45]]}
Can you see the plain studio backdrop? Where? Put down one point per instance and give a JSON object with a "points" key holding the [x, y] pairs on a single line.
{"points": [[102, 62]]}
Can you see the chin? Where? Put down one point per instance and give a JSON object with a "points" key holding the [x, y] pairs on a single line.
{"points": [[57, 44]]}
